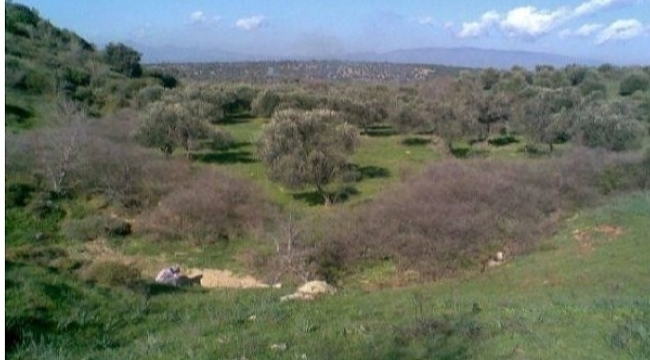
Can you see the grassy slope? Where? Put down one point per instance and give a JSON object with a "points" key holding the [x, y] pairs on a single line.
{"points": [[570, 301], [384, 157]]}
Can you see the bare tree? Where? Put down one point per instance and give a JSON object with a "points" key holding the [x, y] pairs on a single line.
{"points": [[57, 150]]}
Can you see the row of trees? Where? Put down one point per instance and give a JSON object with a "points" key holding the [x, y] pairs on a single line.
{"points": [[314, 127]]}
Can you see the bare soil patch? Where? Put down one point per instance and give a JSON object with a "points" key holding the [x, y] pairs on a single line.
{"points": [[215, 278], [585, 237], [99, 250]]}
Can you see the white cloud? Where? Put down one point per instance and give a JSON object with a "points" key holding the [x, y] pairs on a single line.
{"points": [[588, 29], [251, 23], [529, 22], [565, 33], [583, 31], [425, 20], [621, 30], [200, 18], [197, 17], [592, 6], [479, 28]]}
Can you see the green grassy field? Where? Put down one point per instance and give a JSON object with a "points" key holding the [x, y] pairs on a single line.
{"points": [[584, 296]]}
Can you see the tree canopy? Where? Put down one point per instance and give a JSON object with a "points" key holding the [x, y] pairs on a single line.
{"points": [[123, 59], [302, 148]]}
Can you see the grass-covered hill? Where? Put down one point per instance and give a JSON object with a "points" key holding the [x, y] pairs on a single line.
{"points": [[45, 65], [399, 194]]}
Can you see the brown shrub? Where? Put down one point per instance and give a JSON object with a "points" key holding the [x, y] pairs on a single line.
{"points": [[211, 206], [83, 157], [457, 212], [111, 273]]}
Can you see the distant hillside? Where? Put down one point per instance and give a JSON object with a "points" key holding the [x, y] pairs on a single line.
{"points": [[265, 71], [472, 57], [457, 57], [45, 65]]}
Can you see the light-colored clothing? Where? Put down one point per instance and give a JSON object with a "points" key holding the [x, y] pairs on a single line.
{"points": [[167, 276]]}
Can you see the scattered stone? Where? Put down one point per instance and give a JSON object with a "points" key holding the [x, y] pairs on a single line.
{"points": [[497, 260], [279, 347], [310, 290]]}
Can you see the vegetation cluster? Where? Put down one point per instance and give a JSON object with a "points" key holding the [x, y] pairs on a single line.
{"points": [[114, 169]]}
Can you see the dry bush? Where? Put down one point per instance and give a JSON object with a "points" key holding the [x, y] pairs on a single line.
{"points": [[211, 206], [458, 212], [111, 273], [98, 157], [128, 175], [94, 226]]}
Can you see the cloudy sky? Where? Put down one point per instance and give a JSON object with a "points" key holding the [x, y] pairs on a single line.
{"points": [[617, 31]]}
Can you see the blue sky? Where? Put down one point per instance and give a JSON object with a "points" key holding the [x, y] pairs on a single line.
{"points": [[617, 31]]}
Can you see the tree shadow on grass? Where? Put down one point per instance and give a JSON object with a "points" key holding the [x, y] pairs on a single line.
{"points": [[235, 119], [151, 289], [226, 157], [356, 173], [373, 172], [314, 198], [232, 146], [415, 141], [16, 116], [380, 131]]}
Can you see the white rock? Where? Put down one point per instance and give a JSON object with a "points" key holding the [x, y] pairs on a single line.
{"points": [[280, 347], [317, 287], [310, 290]]}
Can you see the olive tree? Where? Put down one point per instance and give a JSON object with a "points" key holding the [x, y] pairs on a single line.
{"points": [[548, 115], [453, 109], [301, 148], [492, 109], [607, 127], [634, 82], [171, 125], [123, 59]]}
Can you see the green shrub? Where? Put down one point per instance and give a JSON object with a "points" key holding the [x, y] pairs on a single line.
{"points": [[37, 81], [111, 273], [634, 82], [460, 150], [149, 94], [92, 227], [18, 194], [503, 140], [603, 128], [265, 103], [36, 254], [593, 83]]}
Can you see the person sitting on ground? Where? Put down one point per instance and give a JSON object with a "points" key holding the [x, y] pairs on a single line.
{"points": [[169, 275]]}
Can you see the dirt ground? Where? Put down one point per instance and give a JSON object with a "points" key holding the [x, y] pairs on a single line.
{"points": [[98, 250], [215, 278]]}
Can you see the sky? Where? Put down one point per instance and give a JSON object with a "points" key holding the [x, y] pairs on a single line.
{"points": [[616, 31]]}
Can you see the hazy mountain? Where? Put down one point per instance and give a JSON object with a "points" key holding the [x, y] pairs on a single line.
{"points": [[176, 54], [461, 57]]}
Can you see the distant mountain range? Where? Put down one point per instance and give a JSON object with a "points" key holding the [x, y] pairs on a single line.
{"points": [[461, 57]]}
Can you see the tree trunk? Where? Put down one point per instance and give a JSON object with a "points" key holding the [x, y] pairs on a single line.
{"points": [[327, 197], [550, 147]]}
